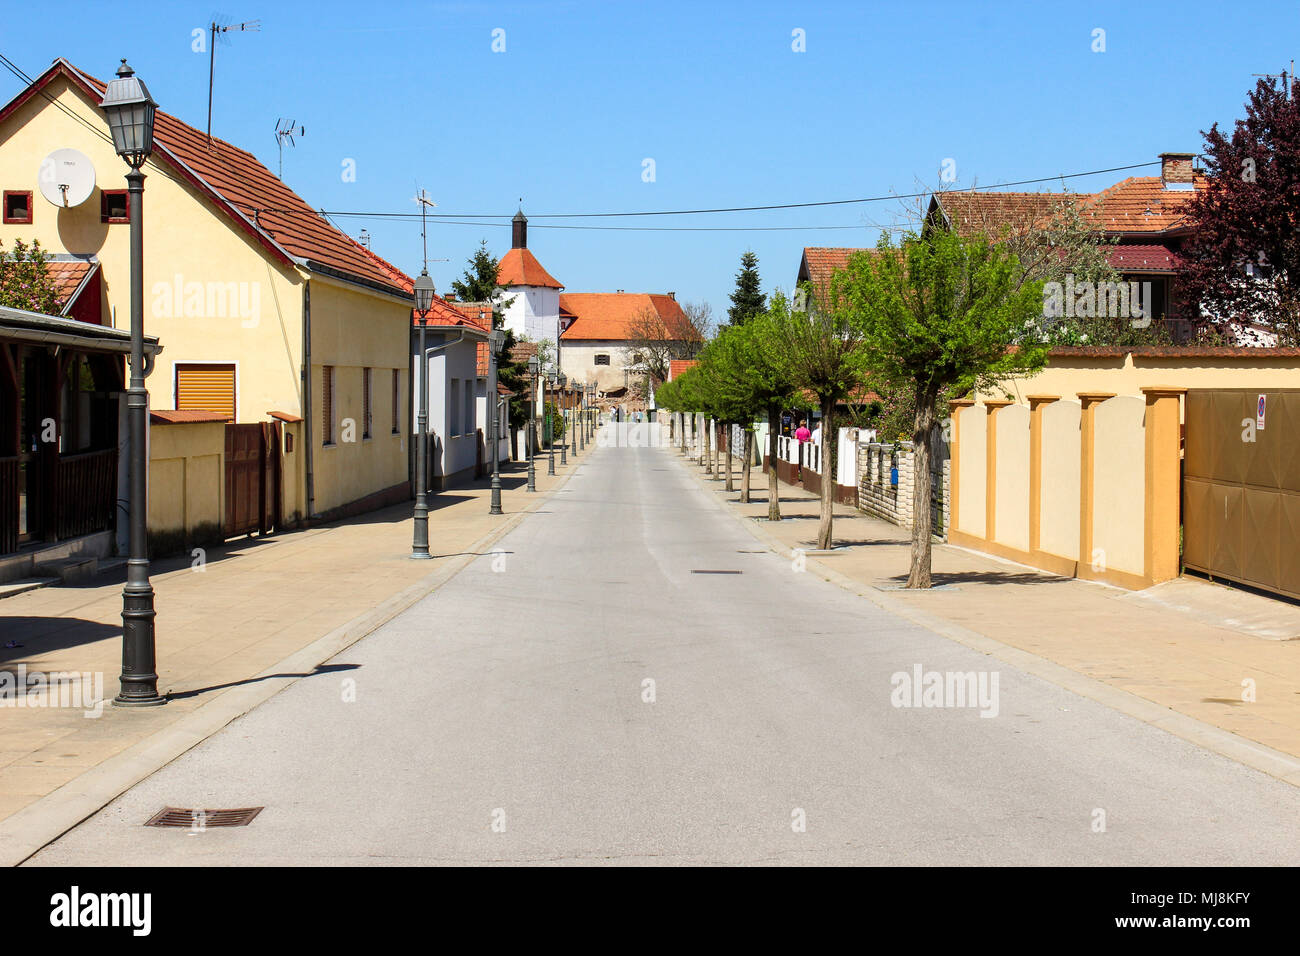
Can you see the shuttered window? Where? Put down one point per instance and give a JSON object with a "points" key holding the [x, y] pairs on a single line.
{"points": [[397, 418], [367, 406], [327, 404], [207, 388]]}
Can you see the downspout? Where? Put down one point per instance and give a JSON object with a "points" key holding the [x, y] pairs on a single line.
{"points": [[307, 415]]}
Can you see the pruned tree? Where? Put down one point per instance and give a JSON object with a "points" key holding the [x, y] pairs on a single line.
{"points": [[659, 339], [1243, 260], [939, 311]]}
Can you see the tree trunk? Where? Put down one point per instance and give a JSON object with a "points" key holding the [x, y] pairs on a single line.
{"points": [[919, 574], [831, 444], [744, 475], [731, 484], [773, 485], [682, 433]]}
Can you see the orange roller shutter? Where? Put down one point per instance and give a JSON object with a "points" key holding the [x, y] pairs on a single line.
{"points": [[209, 388]]}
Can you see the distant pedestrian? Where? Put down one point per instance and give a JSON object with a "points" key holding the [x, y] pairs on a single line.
{"points": [[801, 435]]}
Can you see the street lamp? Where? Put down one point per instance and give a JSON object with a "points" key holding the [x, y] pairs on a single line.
{"points": [[580, 436], [562, 379], [496, 339], [546, 418], [423, 291], [528, 432], [130, 112]]}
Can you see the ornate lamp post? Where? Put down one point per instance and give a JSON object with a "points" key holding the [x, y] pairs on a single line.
{"points": [[423, 291], [580, 436], [130, 111], [562, 379], [550, 445], [496, 339], [533, 367]]}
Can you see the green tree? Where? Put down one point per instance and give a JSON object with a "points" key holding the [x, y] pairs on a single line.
{"points": [[939, 311], [479, 283], [820, 351], [25, 282], [748, 299]]}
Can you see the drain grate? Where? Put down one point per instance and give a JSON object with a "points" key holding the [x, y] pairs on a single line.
{"points": [[189, 819], [711, 571]]}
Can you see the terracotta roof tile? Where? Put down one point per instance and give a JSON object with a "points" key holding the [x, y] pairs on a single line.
{"points": [[1141, 204], [520, 267], [819, 263], [677, 366], [1143, 258], [69, 276], [611, 316]]}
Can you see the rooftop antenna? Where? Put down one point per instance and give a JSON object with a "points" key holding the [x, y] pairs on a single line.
{"points": [[286, 130], [425, 202], [218, 29], [364, 238], [1287, 78]]}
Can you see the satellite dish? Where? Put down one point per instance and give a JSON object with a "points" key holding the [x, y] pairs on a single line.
{"points": [[66, 178]]}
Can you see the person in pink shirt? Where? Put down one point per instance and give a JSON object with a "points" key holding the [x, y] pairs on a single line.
{"points": [[801, 435]]}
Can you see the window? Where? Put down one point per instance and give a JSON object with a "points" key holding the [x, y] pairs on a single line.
{"points": [[397, 417], [469, 407], [327, 404], [636, 358], [366, 404], [207, 388], [602, 359], [18, 206], [114, 206], [453, 413]]}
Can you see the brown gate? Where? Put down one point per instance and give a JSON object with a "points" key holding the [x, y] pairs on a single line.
{"points": [[252, 478], [1241, 487]]}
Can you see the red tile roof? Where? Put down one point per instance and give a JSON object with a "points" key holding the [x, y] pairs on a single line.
{"points": [[69, 278], [1143, 258], [248, 193], [462, 314], [971, 211], [520, 267], [612, 316], [1140, 204], [818, 264], [677, 366], [170, 416]]}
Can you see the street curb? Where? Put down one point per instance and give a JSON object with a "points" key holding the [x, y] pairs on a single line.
{"points": [[31, 829], [1257, 756]]}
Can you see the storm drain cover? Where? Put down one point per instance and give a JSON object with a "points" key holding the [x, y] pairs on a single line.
{"points": [[711, 571], [190, 819]]}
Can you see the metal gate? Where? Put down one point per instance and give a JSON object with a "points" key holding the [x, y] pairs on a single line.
{"points": [[1241, 487], [252, 478]]}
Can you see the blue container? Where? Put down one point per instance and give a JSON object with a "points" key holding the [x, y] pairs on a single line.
{"points": [[893, 477]]}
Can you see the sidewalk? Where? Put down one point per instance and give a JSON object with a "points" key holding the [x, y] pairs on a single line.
{"points": [[1187, 645], [261, 613]]}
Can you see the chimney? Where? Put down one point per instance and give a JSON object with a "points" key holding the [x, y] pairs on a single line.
{"points": [[1176, 170], [671, 295], [618, 291], [519, 231]]}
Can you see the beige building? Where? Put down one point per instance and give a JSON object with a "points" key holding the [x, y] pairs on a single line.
{"points": [[260, 304]]}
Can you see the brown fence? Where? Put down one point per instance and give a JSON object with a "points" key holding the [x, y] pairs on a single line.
{"points": [[252, 465], [1241, 487], [85, 493]]}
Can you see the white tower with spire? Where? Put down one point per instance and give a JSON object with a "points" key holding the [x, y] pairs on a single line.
{"points": [[533, 293]]}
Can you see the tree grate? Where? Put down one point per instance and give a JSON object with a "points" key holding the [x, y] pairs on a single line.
{"points": [[201, 819]]}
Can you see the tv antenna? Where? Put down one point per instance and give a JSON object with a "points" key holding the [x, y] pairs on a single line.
{"points": [[364, 238], [425, 203], [1287, 78], [218, 29], [286, 130]]}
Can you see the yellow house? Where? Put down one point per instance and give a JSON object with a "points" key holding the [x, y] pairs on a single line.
{"points": [[265, 311]]}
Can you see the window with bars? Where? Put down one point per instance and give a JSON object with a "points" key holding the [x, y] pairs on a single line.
{"points": [[397, 416], [366, 404], [327, 405], [602, 359]]}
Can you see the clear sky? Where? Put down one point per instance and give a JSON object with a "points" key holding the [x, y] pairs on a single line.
{"points": [[714, 94]]}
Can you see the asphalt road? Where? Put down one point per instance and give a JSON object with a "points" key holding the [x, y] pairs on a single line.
{"points": [[505, 719]]}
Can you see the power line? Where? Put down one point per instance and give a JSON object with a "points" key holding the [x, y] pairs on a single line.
{"points": [[723, 209]]}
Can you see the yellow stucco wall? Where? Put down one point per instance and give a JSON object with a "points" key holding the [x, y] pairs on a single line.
{"points": [[1012, 524], [1119, 482], [187, 244], [1059, 528], [1067, 376], [352, 331], [970, 490], [185, 476]]}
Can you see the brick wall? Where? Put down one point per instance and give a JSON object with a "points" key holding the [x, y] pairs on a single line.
{"points": [[878, 496]]}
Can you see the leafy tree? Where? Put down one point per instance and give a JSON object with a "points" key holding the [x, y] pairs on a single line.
{"points": [[658, 340], [748, 299], [25, 282], [819, 351], [939, 311], [1244, 255]]}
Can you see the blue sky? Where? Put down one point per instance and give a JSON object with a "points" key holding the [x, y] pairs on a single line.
{"points": [[713, 93]]}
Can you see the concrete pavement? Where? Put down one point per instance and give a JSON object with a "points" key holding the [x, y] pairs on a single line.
{"points": [[637, 681]]}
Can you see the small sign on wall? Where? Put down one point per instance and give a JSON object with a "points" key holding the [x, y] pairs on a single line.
{"points": [[1259, 413]]}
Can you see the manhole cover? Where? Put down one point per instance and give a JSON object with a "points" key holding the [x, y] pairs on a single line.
{"points": [[711, 571], [187, 819]]}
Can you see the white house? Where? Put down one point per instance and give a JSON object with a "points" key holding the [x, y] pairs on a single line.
{"points": [[530, 296]]}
